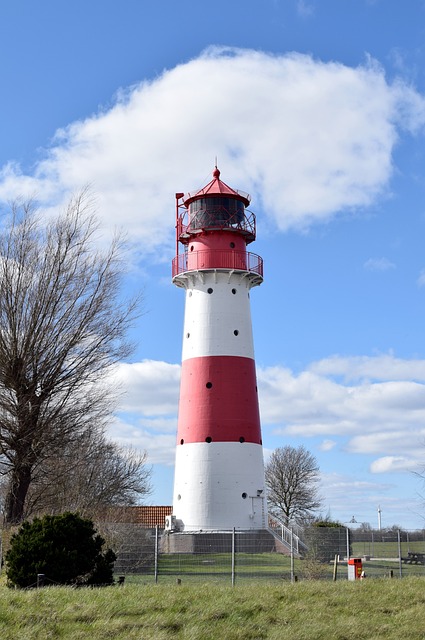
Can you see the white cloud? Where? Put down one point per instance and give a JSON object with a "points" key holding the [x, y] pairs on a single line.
{"points": [[410, 440], [381, 417], [336, 487], [379, 264], [306, 138], [377, 442], [421, 279], [147, 414], [305, 9], [150, 387], [312, 405], [363, 368], [388, 464], [347, 496], [327, 445], [160, 447]]}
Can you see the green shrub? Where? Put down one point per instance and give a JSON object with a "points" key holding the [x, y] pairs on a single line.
{"points": [[65, 548]]}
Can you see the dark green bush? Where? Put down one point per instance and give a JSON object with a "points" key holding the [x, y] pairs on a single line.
{"points": [[65, 548]]}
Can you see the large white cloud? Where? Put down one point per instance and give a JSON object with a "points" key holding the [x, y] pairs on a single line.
{"points": [[306, 138]]}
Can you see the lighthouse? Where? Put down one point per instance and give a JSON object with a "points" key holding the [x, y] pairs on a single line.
{"points": [[219, 471]]}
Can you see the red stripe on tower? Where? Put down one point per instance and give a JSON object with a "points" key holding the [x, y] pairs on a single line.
{"points": [[218, 401]]}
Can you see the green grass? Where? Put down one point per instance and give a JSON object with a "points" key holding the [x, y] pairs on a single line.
{"points": [[386, 549], [245, 563], [309, 610]]}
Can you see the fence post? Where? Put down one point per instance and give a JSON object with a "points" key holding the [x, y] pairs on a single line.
{"points": [[156, 553], [292, 555], [399, 554], [348, 543], [233, 556], [335, 571]]}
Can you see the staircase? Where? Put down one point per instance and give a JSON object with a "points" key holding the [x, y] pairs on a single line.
{"points": [[286, 540]]}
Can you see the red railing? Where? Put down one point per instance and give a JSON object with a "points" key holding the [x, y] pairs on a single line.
{"points": [[234, 260]]}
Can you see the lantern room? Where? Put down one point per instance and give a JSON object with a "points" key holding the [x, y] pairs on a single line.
{"points": [[215, 207], [215, 226]]}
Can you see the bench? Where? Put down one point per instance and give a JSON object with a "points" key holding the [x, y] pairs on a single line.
{"points": [[414, 558]]}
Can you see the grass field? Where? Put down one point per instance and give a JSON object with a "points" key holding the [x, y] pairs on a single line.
{"points": [[385, 549], [310, 610]]}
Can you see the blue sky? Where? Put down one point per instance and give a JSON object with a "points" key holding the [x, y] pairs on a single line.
{"points": [[317, 109]]}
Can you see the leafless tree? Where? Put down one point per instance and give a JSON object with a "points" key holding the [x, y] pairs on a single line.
{"points": [[62, 326], [89, 475], [292, 477]]}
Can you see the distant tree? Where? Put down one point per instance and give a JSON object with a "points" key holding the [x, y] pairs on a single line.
{"points": [[62, 325], [292, 476], [392, 532], [65, 548]]}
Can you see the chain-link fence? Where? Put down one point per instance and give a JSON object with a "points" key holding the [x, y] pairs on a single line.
{"points": [[398, 551], [155, 555]]}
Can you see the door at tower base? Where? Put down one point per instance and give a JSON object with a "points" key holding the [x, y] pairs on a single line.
{"points": [[219, 486]]}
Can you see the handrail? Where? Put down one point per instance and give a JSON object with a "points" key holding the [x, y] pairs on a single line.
{"points": [[286, 535], [217, 259]]}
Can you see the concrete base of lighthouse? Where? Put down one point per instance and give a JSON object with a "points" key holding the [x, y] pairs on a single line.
{"points": [[259, 541]]}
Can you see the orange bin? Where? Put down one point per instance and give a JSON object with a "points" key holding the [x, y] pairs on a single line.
{"points": [[355, 568]]}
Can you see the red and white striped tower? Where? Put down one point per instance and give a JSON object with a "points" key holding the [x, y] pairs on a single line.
{"points": [[219, 473]]}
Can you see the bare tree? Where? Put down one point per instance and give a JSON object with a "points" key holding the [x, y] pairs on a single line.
{"points": [[62, 326], [88, 476], [292, 476]]}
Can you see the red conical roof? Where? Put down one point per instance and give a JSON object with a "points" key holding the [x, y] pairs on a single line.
{"points": [[217, 188]]}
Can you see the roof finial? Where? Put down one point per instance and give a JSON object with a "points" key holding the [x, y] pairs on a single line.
{"points": [[216, 172]]}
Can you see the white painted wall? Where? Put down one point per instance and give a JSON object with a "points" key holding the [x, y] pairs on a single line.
{"points": [[209, 482], [210, 319]]}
